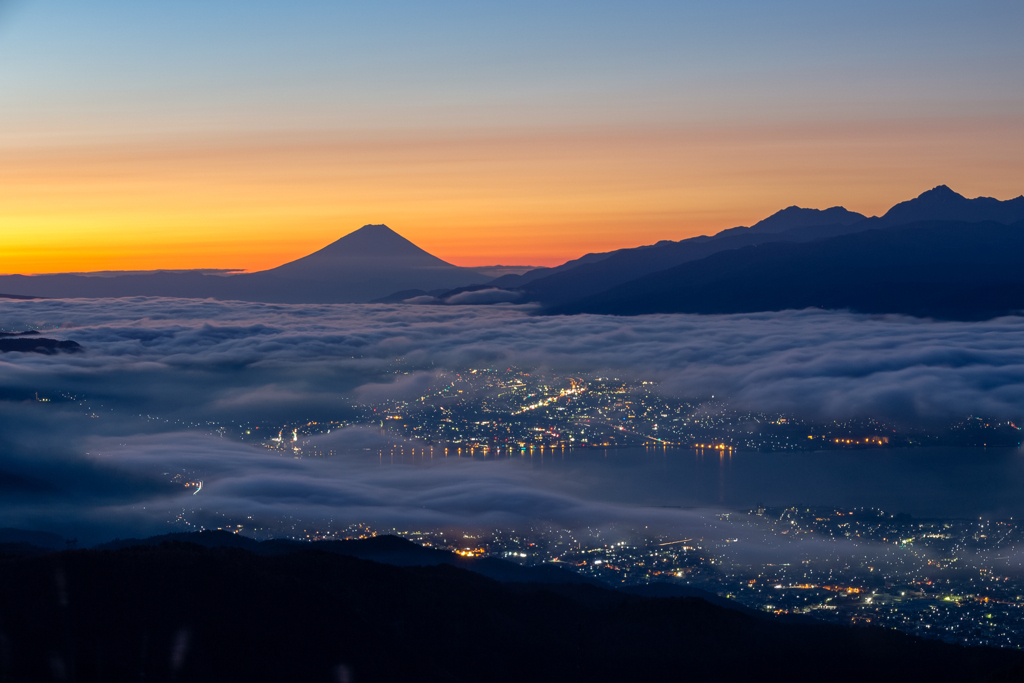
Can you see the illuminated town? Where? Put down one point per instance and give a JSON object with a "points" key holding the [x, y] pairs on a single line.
{"points": [[505, 411], [957, 580], [514, 410]]}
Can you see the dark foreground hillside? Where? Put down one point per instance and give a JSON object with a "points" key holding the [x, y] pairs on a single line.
{"points": [[183, 612]]}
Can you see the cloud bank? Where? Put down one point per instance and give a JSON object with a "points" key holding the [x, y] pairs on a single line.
{"points": [[173, 364], [125, 487], [225, 358]]}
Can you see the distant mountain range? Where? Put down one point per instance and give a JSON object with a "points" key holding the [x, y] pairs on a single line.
{"points": [[939, 254], [950, 270]]}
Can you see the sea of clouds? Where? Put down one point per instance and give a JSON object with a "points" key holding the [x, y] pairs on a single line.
{"points": [[220, 358], [185, 362]]}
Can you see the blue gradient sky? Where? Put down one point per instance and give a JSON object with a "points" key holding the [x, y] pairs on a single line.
{"points": [[681, 118]]}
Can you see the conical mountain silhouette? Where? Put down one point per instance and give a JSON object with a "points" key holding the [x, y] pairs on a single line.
{"points": [[370, 263], [369, 248]]}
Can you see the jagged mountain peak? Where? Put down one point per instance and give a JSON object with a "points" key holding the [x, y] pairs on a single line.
{"points": [[943, 203], [940, 191], [941, 194], [798, 217]]}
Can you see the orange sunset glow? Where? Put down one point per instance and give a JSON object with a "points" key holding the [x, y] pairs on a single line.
{"points": [[477, 198]]}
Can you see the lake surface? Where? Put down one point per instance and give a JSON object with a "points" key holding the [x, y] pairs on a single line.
{"points": [[924, 482]]}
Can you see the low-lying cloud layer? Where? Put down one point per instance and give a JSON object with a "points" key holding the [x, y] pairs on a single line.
{"points": [[182, 363], [223, 358], [125, 487]]}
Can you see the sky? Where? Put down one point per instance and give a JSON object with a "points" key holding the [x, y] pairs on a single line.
{"points": [[246, 134]]}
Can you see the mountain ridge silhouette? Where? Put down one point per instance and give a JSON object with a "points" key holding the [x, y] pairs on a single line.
{"points": [[937, 269], [376, 264], [943, 204]]}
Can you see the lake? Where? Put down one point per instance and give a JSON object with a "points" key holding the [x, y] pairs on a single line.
{"points": [[924, 482]]}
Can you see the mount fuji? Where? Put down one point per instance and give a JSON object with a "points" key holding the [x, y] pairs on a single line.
{"points": [[364, 265]]}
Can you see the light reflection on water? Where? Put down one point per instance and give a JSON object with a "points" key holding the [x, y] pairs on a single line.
{"points": [[925, 482]]}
